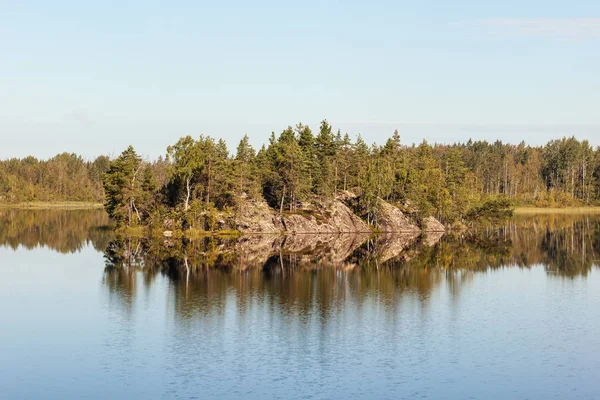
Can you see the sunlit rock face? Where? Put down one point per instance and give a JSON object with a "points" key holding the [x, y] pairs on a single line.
{"points": [[317, 217], [431, 224], [257, 217], [391, 219], [330, 217]]}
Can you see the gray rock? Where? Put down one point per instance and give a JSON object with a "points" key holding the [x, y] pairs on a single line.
{"points": [[431, 224], [256, 216], [331, 217], [391, 219]]}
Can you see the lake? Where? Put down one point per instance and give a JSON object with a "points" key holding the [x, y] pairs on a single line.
{"points": [[505, 312]]}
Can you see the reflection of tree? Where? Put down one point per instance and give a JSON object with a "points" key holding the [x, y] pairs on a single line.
{"points": [[65, 231], [566, 251], [567, 245], [312, 275]]}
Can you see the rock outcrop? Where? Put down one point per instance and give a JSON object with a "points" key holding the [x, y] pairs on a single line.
{"points": [[257, 217], [333, 217], [431, 224], [391, 219]]}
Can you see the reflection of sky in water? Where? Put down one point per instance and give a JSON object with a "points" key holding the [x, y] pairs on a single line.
{"points": [[70, 330]]}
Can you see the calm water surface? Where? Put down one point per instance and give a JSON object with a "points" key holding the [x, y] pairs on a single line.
{"points": [[510, 312]]}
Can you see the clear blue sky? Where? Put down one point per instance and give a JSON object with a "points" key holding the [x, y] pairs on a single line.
{"points": [[93, 77]]}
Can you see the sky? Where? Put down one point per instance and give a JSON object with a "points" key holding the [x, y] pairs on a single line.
{"points": [[94, 77]]}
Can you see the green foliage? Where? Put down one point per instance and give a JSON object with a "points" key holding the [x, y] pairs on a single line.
{"points": [[123, 185], [491, 211], [65, 177], [187, 161], [198, 175], [246, 170]]}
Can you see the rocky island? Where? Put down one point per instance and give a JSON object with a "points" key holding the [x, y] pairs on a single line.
{"points": [[298, 184]]}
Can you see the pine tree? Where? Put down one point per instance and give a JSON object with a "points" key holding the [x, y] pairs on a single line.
{"points": [[123, 187], [325, 151], [246, 173]]}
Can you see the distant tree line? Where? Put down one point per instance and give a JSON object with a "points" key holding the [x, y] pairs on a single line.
{"points": [[65, 177], [199, 177]]}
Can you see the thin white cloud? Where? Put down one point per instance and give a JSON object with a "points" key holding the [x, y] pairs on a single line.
{"points": [[449, 128], [462, 124], [81, 116], [556, 28]]}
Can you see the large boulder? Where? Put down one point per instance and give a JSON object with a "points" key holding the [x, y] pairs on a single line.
{"points": [[345, 220], [431, 224], [332, 217], [256, 216], [391, 219]]}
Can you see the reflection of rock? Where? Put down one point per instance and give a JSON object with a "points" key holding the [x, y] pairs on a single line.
{"points": [[333, 248], [304, 242], [431, 224], [255, 250], [342, 249], [432, 238], [391, 219], [390, 245]]}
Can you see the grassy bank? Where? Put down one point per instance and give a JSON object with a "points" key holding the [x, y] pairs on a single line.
{"points": [[557, 210], [199, 234], [192, 234], [57, 205]]}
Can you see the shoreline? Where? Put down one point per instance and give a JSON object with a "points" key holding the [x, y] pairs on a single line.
{"points": [[557, 210], [84, 205], [53, 205]]}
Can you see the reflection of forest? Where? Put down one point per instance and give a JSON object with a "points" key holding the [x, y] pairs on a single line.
{"points": [[65, 231], [566, 245], [304, 271]]}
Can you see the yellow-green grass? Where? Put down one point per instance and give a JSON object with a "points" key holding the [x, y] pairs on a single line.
{"points": [[199, 234], [133, 231], [556, 210], [56, 205]]}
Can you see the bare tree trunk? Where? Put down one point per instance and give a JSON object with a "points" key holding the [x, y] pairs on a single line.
{"points": [[208, 185], [187, 197], [187, 276], [282, 198], [136, 211]]}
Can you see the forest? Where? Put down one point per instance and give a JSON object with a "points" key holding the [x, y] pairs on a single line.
{"points": [[65, 177], [200, 178]]}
